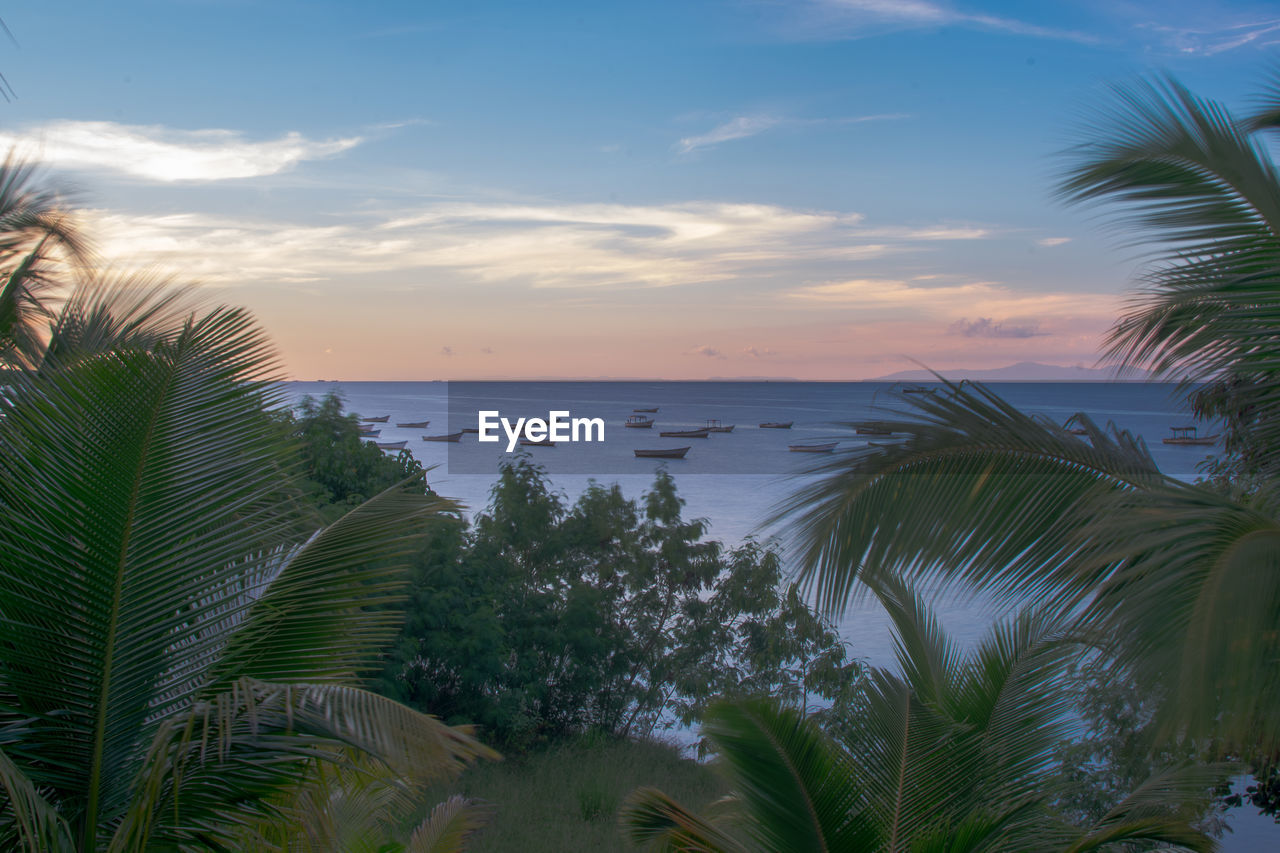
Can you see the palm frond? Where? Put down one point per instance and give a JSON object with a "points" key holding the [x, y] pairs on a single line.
{"points": [[659, 824], [39, 827], [448, 827]]}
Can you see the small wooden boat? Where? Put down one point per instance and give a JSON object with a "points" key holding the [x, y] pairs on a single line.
{"points": [[370, 433], [1187, 436], [665, 453], [381, 420], [872, 430], [453, 436], [685, 433], [471, 430], [812, 448], [546, 442], [638, 422], [414, 425], [390, 445], [714, 425], [652, 411], [777, 425]]}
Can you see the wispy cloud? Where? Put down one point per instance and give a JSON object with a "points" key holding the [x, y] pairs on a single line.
{"points": [[758, 352], [737, 128], [563, 246], [743, 127], [447, 352], [985, 327], [1212, 40], [706, 350], [859, 17], [1050, 242], [156, 153]]}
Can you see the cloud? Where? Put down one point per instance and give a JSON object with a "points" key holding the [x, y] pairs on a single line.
{"points": [[738, 128], [984, 327], [1212, 40], [447, 352], [157, 153], [487, 350], [745, 126], [856, 16], [1049, 242], [547, 245], [708, 351], [758, 352]]}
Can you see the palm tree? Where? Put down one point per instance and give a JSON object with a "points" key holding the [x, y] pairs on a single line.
{"points": [[36, 234], [1181, 582], [173, 658], [951, 753]]}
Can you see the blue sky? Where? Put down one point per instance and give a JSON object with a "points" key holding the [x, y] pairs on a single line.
{"points": [[815, 188]]}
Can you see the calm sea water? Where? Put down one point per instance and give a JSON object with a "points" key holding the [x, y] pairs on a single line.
{"points": [[735, 480]]}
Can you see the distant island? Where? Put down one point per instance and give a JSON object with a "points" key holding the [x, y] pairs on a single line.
{"points": [[1023, 371]]}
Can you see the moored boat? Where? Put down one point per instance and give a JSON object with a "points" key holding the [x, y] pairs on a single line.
{"points": [[638, 422], [665, 453], [813, 448], [471, 430], [414, 425], [390, 445], [917, 389], [1187, 436], [650, 411], [685, 433], [379, 420], [714, 425], [777, 425], [453, 436], [370, 433]]}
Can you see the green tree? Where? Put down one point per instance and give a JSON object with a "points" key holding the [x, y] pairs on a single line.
{"points": [[1178, 582], [172, 656], [952, 752], [610, 615]]}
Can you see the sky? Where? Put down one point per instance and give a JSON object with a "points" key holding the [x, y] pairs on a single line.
{"points": [[817, 189]]}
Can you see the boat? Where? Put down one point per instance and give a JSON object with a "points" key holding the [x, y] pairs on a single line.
{"points": [[414, 425], [685, 433], [546, 442], [872, 430], [639, 422], [370, 433], [917, 389], [471, 430], [714, 425], [777, 425], [652, 411], [390, 445], [812, 448], [665, 453], [1187, 436], [381, 420], [453, 436]]}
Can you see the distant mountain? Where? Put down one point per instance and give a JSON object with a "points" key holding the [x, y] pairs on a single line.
{"points": [[1023, 371]]}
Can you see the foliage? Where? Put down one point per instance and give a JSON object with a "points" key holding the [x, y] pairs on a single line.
{"points": [[340, 469], [565, 796], [175, 656], [1178, 582], [547, 619], [954, 753]]}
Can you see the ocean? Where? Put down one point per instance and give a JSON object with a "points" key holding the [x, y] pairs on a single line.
{"points": [[735, 480]]}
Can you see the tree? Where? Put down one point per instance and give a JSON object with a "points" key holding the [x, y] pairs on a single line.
{"points": [[612, 615], [1179, 582], [173, 657], [953, 753]]}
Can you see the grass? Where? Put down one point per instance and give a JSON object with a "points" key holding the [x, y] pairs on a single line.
{"points": [[566, 798]]}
